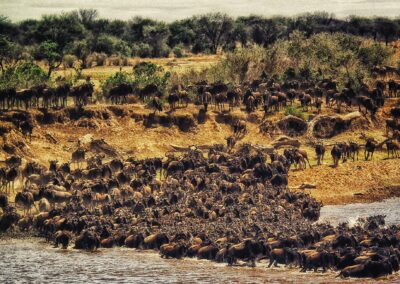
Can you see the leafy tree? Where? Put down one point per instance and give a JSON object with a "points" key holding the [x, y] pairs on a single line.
{"points": [[61, 29], [374, 55], [216, 29], [387, 28], [7, 27], [10, 53], [156, 36], [360, 26], [116, 28], [24, 75], [80, 49], [49, 52], [181, 32], [135, 29], [27, 31]]}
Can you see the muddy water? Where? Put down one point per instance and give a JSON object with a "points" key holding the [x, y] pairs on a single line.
{"points": [[336, 214], [34, 261]]}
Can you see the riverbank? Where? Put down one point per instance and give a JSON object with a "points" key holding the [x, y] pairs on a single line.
{"points": [[351, 182]]}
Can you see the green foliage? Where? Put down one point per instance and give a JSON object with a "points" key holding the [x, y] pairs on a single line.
{"points": [[295, 111], [49, 52], [25, 75], [143, 74], [242, 63], [178, 52], [10, 53], [115, 80], [374, 54], [149, 73], [342, 57]]}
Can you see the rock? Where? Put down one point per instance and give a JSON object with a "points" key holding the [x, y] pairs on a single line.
{"points": [[86, 139]]}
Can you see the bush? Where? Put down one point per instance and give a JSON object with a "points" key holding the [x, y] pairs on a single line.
{"points": [[295, 111], [25, 75], [69, 60], [178, 52], [142, 50], [117, 79]]}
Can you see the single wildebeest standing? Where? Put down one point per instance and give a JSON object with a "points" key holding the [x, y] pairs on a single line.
{"points": [[320, 152]]}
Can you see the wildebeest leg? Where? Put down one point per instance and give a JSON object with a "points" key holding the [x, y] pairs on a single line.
{"points": [[271, 262]]}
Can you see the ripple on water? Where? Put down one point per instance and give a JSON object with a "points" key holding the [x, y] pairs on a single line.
{"points": [[336, 214]]}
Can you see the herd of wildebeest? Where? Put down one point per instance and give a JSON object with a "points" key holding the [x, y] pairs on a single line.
{"points": [[225, 204], [216, 205]]}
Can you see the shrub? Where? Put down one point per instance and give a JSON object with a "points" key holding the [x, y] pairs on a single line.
{"points": [[295, 111], [25, 75], [69, 60], [178, 52]]}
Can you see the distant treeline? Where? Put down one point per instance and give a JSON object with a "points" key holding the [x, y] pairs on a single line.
{"points": [[80, 39], [83, 32]]}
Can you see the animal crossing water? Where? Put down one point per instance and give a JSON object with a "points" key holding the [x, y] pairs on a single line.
{"points": [[336, 214], [33, 260]]}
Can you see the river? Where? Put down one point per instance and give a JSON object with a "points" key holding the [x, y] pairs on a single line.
{"points": [[35, 261]]}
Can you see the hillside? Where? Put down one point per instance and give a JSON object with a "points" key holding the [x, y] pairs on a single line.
{"points": [[126, 129]]}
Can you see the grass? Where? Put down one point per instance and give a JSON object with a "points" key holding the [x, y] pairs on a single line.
{"points": [[178, 65]]}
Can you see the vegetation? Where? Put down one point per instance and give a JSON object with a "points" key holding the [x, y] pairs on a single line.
{"points": [[342, 57], [309, 46]]}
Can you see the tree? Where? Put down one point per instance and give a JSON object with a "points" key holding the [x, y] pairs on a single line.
{"points": [[360, 26], [387, 28], [156, 36], [181, 32], [49, 52], [10, 53], [27, 31], [116, 28], [216, 29], [80, 49], [61, 29], [87, 16], [7, 27], [149, 73], [134, 32]]}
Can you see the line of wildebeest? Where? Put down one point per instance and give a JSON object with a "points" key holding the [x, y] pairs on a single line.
{"points": [[213, 204], [269, 95]]}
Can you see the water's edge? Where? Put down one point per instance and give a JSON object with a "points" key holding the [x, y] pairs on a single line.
{"points": [[33, 260]]}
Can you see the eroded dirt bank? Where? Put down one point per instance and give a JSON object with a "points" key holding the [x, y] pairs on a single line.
{"points": [[132, 130]]}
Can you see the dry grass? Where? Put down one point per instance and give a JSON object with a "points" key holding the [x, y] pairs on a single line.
{"points": [[100, 73]]}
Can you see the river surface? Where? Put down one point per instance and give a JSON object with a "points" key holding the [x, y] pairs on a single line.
{"points": [[336, 214], [35, 261]]}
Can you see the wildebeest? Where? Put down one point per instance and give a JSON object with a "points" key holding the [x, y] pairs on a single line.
{"points": [[118, 94], [336, 153], [370, 147], [78, 156], [25, 200], [320, 152]]}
